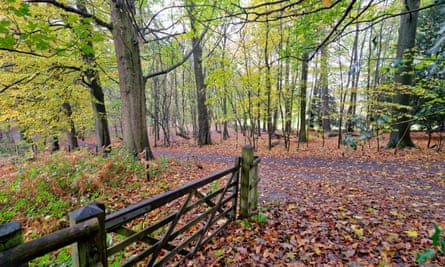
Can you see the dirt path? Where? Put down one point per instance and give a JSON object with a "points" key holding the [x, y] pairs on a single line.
{"points": [[336, 212], [282, 176]]}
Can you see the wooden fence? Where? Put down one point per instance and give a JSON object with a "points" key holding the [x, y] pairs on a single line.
{"points": [[165, 228]]}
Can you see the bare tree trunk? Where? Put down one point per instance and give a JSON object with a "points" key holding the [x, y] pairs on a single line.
{"points": [[325, 120], [131, 82], [352, 74], [71, 132], [302, 137], [268, 88], [204, 137], [98, 100], [403, 79], [225, 132], [342, 103]]}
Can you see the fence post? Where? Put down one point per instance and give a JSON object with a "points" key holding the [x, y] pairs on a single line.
{"points": [[235, 187], [247, 160], [253, 178], [11, 235], [90, 252]]}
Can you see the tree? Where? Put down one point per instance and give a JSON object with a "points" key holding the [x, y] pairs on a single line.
{"points": [[38, 93], [204, 137], [325, 111], [302, 136], [429, 106], [93, 82], [403, 79], [131, 80]]}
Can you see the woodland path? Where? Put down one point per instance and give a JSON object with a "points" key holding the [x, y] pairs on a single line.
{"points": [[285, 179], [337, 211]]}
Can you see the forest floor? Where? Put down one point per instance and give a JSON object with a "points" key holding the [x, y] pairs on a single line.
{"points": [[326, 206], [329, 206]]}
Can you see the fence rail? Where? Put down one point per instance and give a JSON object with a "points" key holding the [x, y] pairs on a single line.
{"points": [[164, 228]]}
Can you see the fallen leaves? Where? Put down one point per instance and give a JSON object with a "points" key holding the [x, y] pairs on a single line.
{"points": [[317, 208]]}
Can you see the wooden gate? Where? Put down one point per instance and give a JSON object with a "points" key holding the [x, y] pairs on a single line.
{"points": [[165, 228]]}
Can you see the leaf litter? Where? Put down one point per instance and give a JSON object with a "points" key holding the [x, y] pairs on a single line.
{"points": [[319, 206]]}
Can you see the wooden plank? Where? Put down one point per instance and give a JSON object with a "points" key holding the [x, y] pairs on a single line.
{"points": [[124, 215], [166, 238], [138, 236], [39, 247]]}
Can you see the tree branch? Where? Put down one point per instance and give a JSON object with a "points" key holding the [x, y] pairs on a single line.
{"points": [[32, 76], [23, 52], [178, 64], [74, 10], [29, 78], [335, 28]]}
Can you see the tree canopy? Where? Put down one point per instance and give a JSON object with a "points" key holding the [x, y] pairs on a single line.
{"points": [[253, 65]]}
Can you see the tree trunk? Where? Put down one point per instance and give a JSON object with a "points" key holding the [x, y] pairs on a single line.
{"points": [[131, 83], [225, 124], [71, 132], [403, 79], [203, 114], [100, 114], [97, 94], [204, 137], [352, 74], [268, 88], [342, 103], [325, 120], [302, 137]]}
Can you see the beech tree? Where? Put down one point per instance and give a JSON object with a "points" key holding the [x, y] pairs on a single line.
{"points": [[131, 80], [40, 90], [204, 137], [92, 80], [403, 79], [270, 56]]}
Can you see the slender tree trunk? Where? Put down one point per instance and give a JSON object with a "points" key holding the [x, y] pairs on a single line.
{"points": [[325, 120], [225, 124], [225, 133], [71, 132], [342, 103], [155, 114], [352, 74], [165, 114], [268, 88], [369, 91], [131, 82], [403, 79], [302, 137]]}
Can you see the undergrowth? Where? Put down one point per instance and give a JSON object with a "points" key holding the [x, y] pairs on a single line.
{"points": [[40, 193]]}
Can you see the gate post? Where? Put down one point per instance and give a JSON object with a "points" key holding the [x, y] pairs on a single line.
{"points": [[247, 160], [11, 235], [90, 252], [254, 180]]}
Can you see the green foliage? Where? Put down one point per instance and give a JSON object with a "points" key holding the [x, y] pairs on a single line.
{"points": [[350, 141], [44, 69], [438, 247], [45, 190], [260, 217], [430, 106], [246, 224], [62, 258], [52, 186], [160, 166]]}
